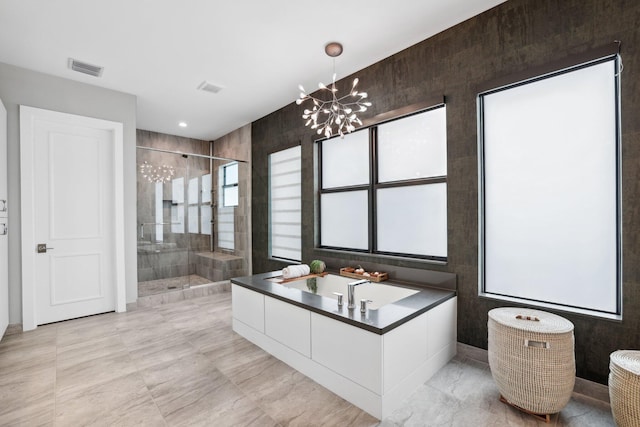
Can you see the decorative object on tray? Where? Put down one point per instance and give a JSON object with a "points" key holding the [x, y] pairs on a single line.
{"points": [[316, 266], [360, 273]]}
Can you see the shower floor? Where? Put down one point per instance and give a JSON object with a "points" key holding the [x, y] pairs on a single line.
{"points": [[153, 287]]}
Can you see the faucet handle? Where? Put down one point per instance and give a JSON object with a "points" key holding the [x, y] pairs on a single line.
{"points": [[363, 305], [339, 298]]}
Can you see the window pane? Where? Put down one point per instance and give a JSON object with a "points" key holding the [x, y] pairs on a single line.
{"points": [[193, 219], [205, 219], [159, 217], [550, 190], [345, 220], [413, 147], [285, 204], [231, 174], [177, 191], [230, 196], [345, 161], [413, 220], [193, 191], [225, 233], [177, 206], [206, 188]]}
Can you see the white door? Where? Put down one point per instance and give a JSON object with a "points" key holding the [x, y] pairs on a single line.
{"points": [[74, 241]]}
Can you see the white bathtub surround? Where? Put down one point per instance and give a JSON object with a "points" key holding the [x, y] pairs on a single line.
{"points": [[374, 371]]}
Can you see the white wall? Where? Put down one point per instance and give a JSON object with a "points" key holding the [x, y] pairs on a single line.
{"points": [[21, 86]]}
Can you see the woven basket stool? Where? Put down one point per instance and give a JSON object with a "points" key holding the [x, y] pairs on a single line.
{"points": [[532, 360], [624, 387]]}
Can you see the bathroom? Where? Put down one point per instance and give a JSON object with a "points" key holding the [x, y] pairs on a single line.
{"points": [[193, 214]]}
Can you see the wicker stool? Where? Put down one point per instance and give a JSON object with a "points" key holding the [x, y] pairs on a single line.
{"points": [[532, 359], [624, 387]]}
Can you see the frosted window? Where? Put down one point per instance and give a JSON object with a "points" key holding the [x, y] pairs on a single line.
{"points": [[159, 213], [229, 184], [193, 219], [205, 219], [177, 218], [231, 174], [550, 190], [413, 220], [177, 205], [345, 161], [285, 212], [193, 191], [225, 233], [230, 196], [177, 191], [206, 188], [345, 219], [413, 147]]}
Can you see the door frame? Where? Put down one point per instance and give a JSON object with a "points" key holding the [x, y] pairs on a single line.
{"points": [[28, 118]]}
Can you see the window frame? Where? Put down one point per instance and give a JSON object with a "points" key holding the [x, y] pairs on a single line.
{"points": [[482, 291], [372, 187]]}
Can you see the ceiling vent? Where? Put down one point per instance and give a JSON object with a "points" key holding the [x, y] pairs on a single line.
{"points": [[209, 87], [83, 67]]}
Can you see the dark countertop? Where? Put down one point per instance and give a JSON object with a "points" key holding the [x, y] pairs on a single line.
{"points": [[379, 321]]}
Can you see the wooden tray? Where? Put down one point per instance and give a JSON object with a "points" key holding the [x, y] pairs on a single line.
{"points": [[380, 278], [280, 279]]}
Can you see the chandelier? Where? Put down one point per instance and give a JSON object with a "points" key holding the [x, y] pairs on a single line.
{"points": [[339, 112], [154, 174]]}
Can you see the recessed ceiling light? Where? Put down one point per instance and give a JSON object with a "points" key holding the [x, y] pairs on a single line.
{"points": [[182, 124]]}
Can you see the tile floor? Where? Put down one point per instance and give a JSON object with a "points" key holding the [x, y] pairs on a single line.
{"points": [[180, 364]]}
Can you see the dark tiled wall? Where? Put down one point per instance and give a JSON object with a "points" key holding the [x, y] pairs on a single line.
{"points": [[516, 36]]}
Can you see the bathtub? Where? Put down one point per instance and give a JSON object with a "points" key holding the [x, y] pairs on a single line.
{"points": [[375, 359], [378, 294]]}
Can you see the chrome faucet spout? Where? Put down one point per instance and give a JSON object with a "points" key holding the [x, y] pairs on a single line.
{"points": [[350, 288]]}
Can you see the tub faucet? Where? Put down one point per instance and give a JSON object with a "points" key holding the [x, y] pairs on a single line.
{"points": [[350, 286]]}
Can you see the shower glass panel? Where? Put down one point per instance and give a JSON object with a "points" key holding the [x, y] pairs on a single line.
{"points": [[174, 220], [193, 219]]}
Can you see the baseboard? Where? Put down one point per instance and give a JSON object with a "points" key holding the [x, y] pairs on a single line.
{"points": [[584, 387]]}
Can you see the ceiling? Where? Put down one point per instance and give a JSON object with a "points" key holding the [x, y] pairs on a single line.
{"points": [[258, 51]]}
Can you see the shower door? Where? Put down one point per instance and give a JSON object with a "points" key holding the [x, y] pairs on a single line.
{"points": [[174, 220]]}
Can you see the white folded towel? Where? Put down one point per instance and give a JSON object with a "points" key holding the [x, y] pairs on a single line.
{"points": [[295, 271]]}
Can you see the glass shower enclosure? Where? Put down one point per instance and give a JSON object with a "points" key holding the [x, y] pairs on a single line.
{"points": [[181, 205]]}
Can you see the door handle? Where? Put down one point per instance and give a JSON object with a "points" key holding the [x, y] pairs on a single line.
{"points": [[42, 248]]}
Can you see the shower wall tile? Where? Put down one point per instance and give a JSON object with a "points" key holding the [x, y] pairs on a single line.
{"points": [[237, 145]]}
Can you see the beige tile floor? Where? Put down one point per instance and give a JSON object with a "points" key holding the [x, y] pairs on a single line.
{"points": [[180, 364]]}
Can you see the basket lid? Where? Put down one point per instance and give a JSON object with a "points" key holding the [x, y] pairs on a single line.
{"points": [[531, 320], [628, 360]]}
